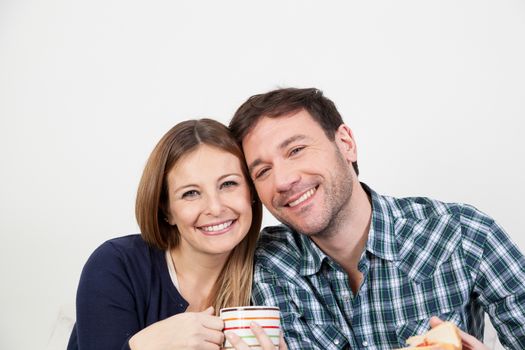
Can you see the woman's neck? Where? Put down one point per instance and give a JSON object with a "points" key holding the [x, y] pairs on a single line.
{"points": [[196, 275]]}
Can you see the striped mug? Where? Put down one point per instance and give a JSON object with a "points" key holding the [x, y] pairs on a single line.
{"points": [[237, 320]]}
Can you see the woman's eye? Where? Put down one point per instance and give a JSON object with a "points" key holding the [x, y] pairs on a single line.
{"points": [[227, 184], [190, 194]]}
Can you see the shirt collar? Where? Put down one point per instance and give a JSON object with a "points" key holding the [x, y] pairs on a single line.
{"points": [[312, 256], [381, 239]]}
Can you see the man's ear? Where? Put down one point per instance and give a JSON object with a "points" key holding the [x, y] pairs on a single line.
{"points": [[346, 143]]}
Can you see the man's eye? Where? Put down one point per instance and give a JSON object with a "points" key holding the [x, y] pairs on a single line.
{"points": [[227, 184], [261, 173], [296, 150], [190, 194]]}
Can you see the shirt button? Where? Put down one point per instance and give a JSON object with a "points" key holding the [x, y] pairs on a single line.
{"points": [[336, 342], [365, 343]]}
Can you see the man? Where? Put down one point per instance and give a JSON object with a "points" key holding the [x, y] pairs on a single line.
{"points": [[354, 269]]}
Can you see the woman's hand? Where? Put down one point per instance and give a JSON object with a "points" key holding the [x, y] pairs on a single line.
{"points": [[189, 330], [258, 331], [469, 342]]}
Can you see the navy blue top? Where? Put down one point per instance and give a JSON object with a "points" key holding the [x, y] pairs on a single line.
{"points": [[125, 286]]}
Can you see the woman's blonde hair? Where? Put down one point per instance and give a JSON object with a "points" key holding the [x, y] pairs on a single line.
{"points": [[233, 286]]}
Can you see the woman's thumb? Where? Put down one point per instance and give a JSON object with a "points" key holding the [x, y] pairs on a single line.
{"points": [[208, 311]]}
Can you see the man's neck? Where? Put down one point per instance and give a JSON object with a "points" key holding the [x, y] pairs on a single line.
{"points": [[346, 242]]}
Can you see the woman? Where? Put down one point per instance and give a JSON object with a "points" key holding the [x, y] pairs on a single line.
{"points": [[200, 217]]}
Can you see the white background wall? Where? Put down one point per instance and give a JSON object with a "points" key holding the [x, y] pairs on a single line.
{"points": [[433, 90]]}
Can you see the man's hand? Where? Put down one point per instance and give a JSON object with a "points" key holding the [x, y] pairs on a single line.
{"points": [[469, 342]]}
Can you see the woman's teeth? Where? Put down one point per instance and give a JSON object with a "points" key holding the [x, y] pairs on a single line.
{"points": [[214, 228], [301, 199]]}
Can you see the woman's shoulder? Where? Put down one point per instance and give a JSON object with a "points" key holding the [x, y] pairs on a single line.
{"points": [[126, 251], [124, 245], [130, 243], [122, 264]]}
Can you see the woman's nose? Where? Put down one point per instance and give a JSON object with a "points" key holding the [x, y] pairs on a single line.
{"points": [[214, 205]]}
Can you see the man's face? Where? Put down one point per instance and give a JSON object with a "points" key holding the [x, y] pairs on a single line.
{"points": [[304, 179]]}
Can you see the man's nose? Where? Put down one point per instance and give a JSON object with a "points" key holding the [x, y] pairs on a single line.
{"points": [[285, 177]]}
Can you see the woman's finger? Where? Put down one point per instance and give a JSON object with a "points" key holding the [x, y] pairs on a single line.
{"points": [[211, 322], [213, 336], [282, 343], [260, 334], [236, 341], [209, 346]]}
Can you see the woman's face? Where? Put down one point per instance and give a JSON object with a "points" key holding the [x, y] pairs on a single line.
{"points": [[209, 201]]}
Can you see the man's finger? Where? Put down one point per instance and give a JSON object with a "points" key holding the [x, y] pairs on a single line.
{"points": [[435, 321], [469, 342]]}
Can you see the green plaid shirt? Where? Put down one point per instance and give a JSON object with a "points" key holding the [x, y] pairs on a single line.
{"points": [[422, 258]]}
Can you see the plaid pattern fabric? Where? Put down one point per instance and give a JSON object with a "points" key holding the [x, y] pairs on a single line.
{"points": [[423, 258]]}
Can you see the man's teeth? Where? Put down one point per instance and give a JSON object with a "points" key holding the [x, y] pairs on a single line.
{"points": [[220, 227], [301, 199]]}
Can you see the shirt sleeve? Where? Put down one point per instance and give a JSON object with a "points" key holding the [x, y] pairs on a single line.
{"points": [[106, 313], [501, 286]]}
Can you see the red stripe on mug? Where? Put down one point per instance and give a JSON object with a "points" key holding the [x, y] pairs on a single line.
{"points": [[248, 327], [250, 318], [248, 308]]}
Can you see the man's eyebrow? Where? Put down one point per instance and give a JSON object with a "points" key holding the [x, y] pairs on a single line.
{"points": [[281, 146], [292, 139]]}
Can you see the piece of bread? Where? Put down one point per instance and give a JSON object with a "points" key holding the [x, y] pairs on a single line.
{"points": [[432, 347], [445, 336]]}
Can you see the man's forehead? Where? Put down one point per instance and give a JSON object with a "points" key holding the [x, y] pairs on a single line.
{"points": [[274, 134], [274, 125]]}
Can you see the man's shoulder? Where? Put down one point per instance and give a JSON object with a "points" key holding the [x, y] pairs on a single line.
{"points": [[435, 230], [278, 237], [425, 215], [421, 208], [278, 244], [424, 208]]}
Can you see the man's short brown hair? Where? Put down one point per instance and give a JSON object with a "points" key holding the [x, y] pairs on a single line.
{"points": [[282, 102]]}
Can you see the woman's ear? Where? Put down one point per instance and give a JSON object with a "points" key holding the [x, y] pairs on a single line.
{"points": [[165, 215]]}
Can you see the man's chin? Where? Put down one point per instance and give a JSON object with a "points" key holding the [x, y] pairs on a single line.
{"points": [[309, 224], [307, 230]]}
